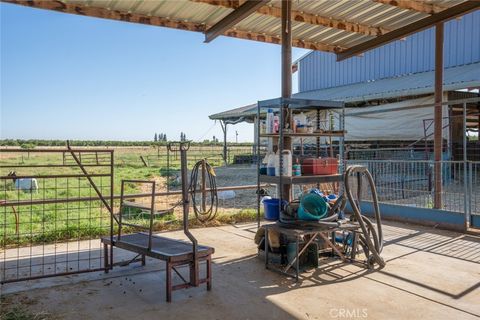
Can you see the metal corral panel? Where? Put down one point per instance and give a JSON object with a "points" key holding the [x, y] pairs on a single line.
{"points": [[319, 70]]}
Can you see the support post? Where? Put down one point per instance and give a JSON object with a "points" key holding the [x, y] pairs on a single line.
{"points": [[223, 124], [286, 49], [438, 139], [286, 34], [465, 168]]}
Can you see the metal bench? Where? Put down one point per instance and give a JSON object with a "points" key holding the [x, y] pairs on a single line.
{"points": [[174, 252]]}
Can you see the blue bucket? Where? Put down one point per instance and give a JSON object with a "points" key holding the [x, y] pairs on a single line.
{"points": [[272, 208]]}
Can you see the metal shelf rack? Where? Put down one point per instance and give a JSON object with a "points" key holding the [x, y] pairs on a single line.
{"points": [[294, 105]]}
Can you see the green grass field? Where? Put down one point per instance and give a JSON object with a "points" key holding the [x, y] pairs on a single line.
{"points": [[46, 223]]}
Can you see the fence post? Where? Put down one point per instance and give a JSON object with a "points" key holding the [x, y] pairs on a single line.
{"points": [[466, 197], [168, 169], [470, 191]]}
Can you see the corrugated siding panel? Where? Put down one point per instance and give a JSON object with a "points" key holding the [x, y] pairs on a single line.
{"points": [[319, 70]]}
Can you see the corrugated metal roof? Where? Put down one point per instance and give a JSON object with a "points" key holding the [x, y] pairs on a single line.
{"points": [[466, 76], [234, 114], [340, 17]]}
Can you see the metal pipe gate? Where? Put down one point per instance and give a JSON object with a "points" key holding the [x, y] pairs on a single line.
{"points": [[51, 223]]}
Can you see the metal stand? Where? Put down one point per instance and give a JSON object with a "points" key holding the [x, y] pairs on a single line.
{"points": [[298, 233]]}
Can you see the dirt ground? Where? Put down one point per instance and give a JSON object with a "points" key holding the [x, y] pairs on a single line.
{"points": [[226, 176], [430, 274]]}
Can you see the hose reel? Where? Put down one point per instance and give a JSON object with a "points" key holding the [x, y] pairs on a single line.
{"points": [[204, 214]]}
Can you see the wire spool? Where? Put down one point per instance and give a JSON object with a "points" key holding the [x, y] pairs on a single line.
{"points": [[205, 213]]}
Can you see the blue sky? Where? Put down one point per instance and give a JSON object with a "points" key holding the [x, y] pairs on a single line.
{"points": [[71, 77]]}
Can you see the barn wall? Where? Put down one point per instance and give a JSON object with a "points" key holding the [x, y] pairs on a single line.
{"points": [[319, 70]]}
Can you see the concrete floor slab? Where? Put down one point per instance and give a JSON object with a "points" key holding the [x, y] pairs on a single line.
{"points": [[430, 274]]}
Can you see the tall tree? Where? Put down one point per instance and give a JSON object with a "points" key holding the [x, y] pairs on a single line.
{"points": [[155, 138]]}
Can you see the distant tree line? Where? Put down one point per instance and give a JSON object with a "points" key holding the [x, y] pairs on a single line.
{"points": [[77, 143], [32, 143]]}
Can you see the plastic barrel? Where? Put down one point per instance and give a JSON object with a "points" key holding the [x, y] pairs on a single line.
{"points": [[272, 208]]}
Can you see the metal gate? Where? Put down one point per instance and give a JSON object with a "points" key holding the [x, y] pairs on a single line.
{"points": [[54, 206]]}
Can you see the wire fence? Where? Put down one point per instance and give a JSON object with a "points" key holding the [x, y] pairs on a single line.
{"points": [[410, 183], [160, 156], [52, 218]]}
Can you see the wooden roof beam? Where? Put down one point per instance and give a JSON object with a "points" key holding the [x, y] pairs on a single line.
{"points": [[240, 13], [80, 9], [307, 18], [422, 24], [419, 6]]}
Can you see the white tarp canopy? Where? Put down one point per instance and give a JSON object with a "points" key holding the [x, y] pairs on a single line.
{"points": [[364, 124]]}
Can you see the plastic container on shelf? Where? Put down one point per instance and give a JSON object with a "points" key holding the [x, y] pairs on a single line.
{"points": [[297, 169], [276, 122], [263, 127], [269, 121], [301, 119], [286, 163], [271, 164]]}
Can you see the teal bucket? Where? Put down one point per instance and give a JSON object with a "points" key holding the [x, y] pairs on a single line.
{"points": [[312, 207]]}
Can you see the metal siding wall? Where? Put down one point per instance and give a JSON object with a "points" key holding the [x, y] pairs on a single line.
{"points": [[319, 70]]}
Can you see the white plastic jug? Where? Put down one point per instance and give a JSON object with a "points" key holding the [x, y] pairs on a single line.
{"points": [[301, 119], [269, 121], [286, 163]]}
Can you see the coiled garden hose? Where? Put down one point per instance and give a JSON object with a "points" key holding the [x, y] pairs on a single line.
{"points": [[371, 237], [210, 213]]}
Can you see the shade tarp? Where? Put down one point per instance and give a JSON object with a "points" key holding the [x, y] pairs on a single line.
{"points": [[393, 123]]}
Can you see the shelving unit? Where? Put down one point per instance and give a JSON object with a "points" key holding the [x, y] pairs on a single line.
{"points": [[304, 135], [285, 139], [307, 179]]}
